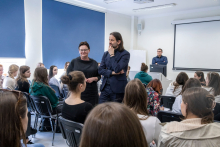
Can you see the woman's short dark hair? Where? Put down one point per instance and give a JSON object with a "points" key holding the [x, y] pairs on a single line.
{"points": [[118, 37], [84, 43], [181, 79], [200, 103], [112, 125], [144, 67]]}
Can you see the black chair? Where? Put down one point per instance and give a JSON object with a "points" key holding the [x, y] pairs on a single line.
{"points": [[32, 109], [168, 116], [65, 91], [57, 90], [44, 109], [167, 101], [217, 112], [71, 131]]}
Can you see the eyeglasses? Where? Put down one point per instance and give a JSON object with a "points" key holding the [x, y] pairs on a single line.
{"points": [[83, 50], [16, 92]]}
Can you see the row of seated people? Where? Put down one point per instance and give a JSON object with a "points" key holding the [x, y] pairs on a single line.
{"points": [[124, 125]]}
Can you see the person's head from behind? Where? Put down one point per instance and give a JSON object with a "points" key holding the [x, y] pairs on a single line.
{"points": [[41, 75], [200, 76], [84, 49], [192, 82], [159, 52], [213, 80], [136, 97], [112, 125], [144, 67], [116, 41], [181, 79], [53, 71], [75, 81], [40, 64], [13, 70], [66, 65], [198, 103], [13, 118], [1, 70], [156, 85], [24, 73]]}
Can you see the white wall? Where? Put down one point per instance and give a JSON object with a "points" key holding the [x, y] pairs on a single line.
{"points": [[159, 33], [33, 29], [119, 23]]}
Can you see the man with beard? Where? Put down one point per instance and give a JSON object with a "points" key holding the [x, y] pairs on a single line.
{"points": [[113, 67]]}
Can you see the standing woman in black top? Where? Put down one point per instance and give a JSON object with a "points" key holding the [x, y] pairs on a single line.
{"points": [[90, 69]]}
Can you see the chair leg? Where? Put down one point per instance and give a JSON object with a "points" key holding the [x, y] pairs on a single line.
{"points": [[35, 124], [55, 128], [52, 129]]}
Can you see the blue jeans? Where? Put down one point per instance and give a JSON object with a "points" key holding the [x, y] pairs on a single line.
{"points": [[107, 95]]}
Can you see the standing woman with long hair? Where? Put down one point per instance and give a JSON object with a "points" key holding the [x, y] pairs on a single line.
{"points": [[9, 81], [13, 119], [136, 99], [90, 69]]}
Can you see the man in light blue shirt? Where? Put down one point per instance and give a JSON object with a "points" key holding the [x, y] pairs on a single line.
{"points": [[159, 59]]}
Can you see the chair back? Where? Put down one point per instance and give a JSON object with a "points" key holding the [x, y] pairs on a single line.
{"points": [[168, 116], [30, 104], [71, 131], [42, 105], [168, 101], [217, 112], [65, 90], [57, 90]]}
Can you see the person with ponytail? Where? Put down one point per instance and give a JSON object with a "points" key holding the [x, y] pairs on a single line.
{"points": [[9, 81], [74, 108], [197, 127], [142, 75]]}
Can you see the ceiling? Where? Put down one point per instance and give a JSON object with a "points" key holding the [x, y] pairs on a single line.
{"points": [[126, 6]]}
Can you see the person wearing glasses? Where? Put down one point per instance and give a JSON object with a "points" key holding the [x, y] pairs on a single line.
{"points": [[159, 59], [90, 69]]}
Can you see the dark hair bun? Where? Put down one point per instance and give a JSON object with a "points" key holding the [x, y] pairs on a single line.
{"points": [[65, 79]]}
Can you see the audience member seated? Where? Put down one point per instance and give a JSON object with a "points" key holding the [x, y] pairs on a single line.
{"points": [[22, 83], [74, 108], [192, 82], [1, 76], [197, 129], [40, 87], [142, 75], [153, 91], [213, 85], [13, 119], [200, 76], [175, 88], [40, 64], [9, 81], [112, 125], [65, 68], [23, 86], [136, 99], [52, 80]]}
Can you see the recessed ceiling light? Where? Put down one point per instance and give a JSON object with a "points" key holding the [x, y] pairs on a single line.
{"points": [[111, 1], [154, 7]]}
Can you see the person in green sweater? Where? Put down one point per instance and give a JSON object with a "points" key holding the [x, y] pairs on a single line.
{"points": [[40, 87], [142, 75]]}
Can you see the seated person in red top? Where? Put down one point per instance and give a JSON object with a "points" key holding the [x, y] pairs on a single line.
{"points": [[74, 108], [153, 91]]}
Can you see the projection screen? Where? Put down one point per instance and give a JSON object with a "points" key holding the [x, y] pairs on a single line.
{"points": [[197, 46]]}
